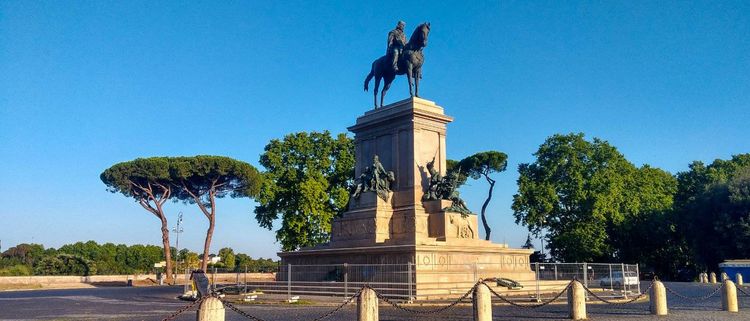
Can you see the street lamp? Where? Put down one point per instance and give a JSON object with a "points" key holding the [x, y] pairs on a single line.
{"points": [[177, 230], [541, 236]]}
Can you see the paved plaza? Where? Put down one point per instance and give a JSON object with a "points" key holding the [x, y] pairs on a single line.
{"points": [[155, 303]]}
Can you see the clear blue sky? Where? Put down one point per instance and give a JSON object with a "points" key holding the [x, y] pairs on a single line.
{"points": [[87, 84]]}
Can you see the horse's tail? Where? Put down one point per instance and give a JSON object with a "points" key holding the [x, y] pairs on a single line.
{"points": [[369, 76]]}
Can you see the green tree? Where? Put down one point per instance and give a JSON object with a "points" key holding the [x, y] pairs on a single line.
{"points": [[141, 258], [64, 264], [712, 206], [243, 261], [482, 165], [204, 179], [647, 234], [308, 177], [148, 182], [227, 257], [25, 253], [587, 197]]}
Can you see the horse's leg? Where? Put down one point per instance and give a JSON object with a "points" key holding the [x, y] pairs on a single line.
{"points": [[386, 86], [417, 73], [375, 92], [410, 77]]}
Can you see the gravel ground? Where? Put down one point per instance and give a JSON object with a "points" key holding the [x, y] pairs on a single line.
{"points": [[155, 303]]}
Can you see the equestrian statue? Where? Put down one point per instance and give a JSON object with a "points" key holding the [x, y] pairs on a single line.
{"points": [[401, 58]]}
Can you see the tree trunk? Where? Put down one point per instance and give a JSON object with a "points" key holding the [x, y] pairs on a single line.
{"points": [[207, 244], [487, 230], [167, 249]]}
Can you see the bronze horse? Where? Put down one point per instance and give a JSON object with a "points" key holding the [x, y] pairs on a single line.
{"points": [[409, 63]]}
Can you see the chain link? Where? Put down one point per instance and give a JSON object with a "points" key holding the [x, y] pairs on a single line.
{"points": [[739, 288], [695, 299], [328, 314], [619, 302], [434, 311], [240, 312], [529, 306], [183, 309], [346, 302]]}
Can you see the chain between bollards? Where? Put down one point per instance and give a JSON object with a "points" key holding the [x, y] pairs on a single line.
{"points": [[695, 299], [183, 309], [530, 306], [438, 310], [617, 302]]}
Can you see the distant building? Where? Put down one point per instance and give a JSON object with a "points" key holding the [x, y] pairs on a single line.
{"points": [[732, 267], [213, 259]]}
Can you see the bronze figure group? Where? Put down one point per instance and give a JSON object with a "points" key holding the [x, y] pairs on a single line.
{"points": [[445, 188], [374, 178]]}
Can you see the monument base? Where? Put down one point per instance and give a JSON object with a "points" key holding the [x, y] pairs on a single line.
{"points": [[432, 270]]}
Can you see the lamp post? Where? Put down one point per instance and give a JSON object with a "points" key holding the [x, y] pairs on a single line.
{"points": [[177, 230], [541, 236]]}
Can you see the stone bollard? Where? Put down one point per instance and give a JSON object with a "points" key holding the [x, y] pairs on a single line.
{"points": [[712, 277], [704, 277], [211, 309], [482, 303], [577, 301], [738, 277], [729, 297], [658, 299], [724, 277], [367, 305]]}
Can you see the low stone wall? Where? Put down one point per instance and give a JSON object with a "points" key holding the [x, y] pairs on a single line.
{"points": [[55, 281]]}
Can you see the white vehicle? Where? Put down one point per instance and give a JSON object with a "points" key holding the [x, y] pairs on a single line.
{"points": [[617, 280]]}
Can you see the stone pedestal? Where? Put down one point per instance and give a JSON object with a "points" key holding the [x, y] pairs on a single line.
{"points": [[444, 247]]}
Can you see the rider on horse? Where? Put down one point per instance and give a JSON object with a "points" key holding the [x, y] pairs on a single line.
{"points": [[396, 43]]}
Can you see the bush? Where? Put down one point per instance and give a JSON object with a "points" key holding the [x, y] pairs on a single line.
{"points": [[16, 270]]}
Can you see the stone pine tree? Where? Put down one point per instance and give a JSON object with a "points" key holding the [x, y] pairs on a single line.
{"points": [[483, 165], [307, 181], [147, 181], [201, 180]]}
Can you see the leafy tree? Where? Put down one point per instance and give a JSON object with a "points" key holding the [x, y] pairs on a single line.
{"points": [[712, 206], [227, 257], [482, 165], [64, 264], [243, 261], [308, 176], [25, 253], [647, 233], [588, 197], [141, 258], [148, 182], [189, 259], [203, 179]]}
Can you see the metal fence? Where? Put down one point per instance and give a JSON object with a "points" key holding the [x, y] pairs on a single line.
{"points": [[398, 281]]}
